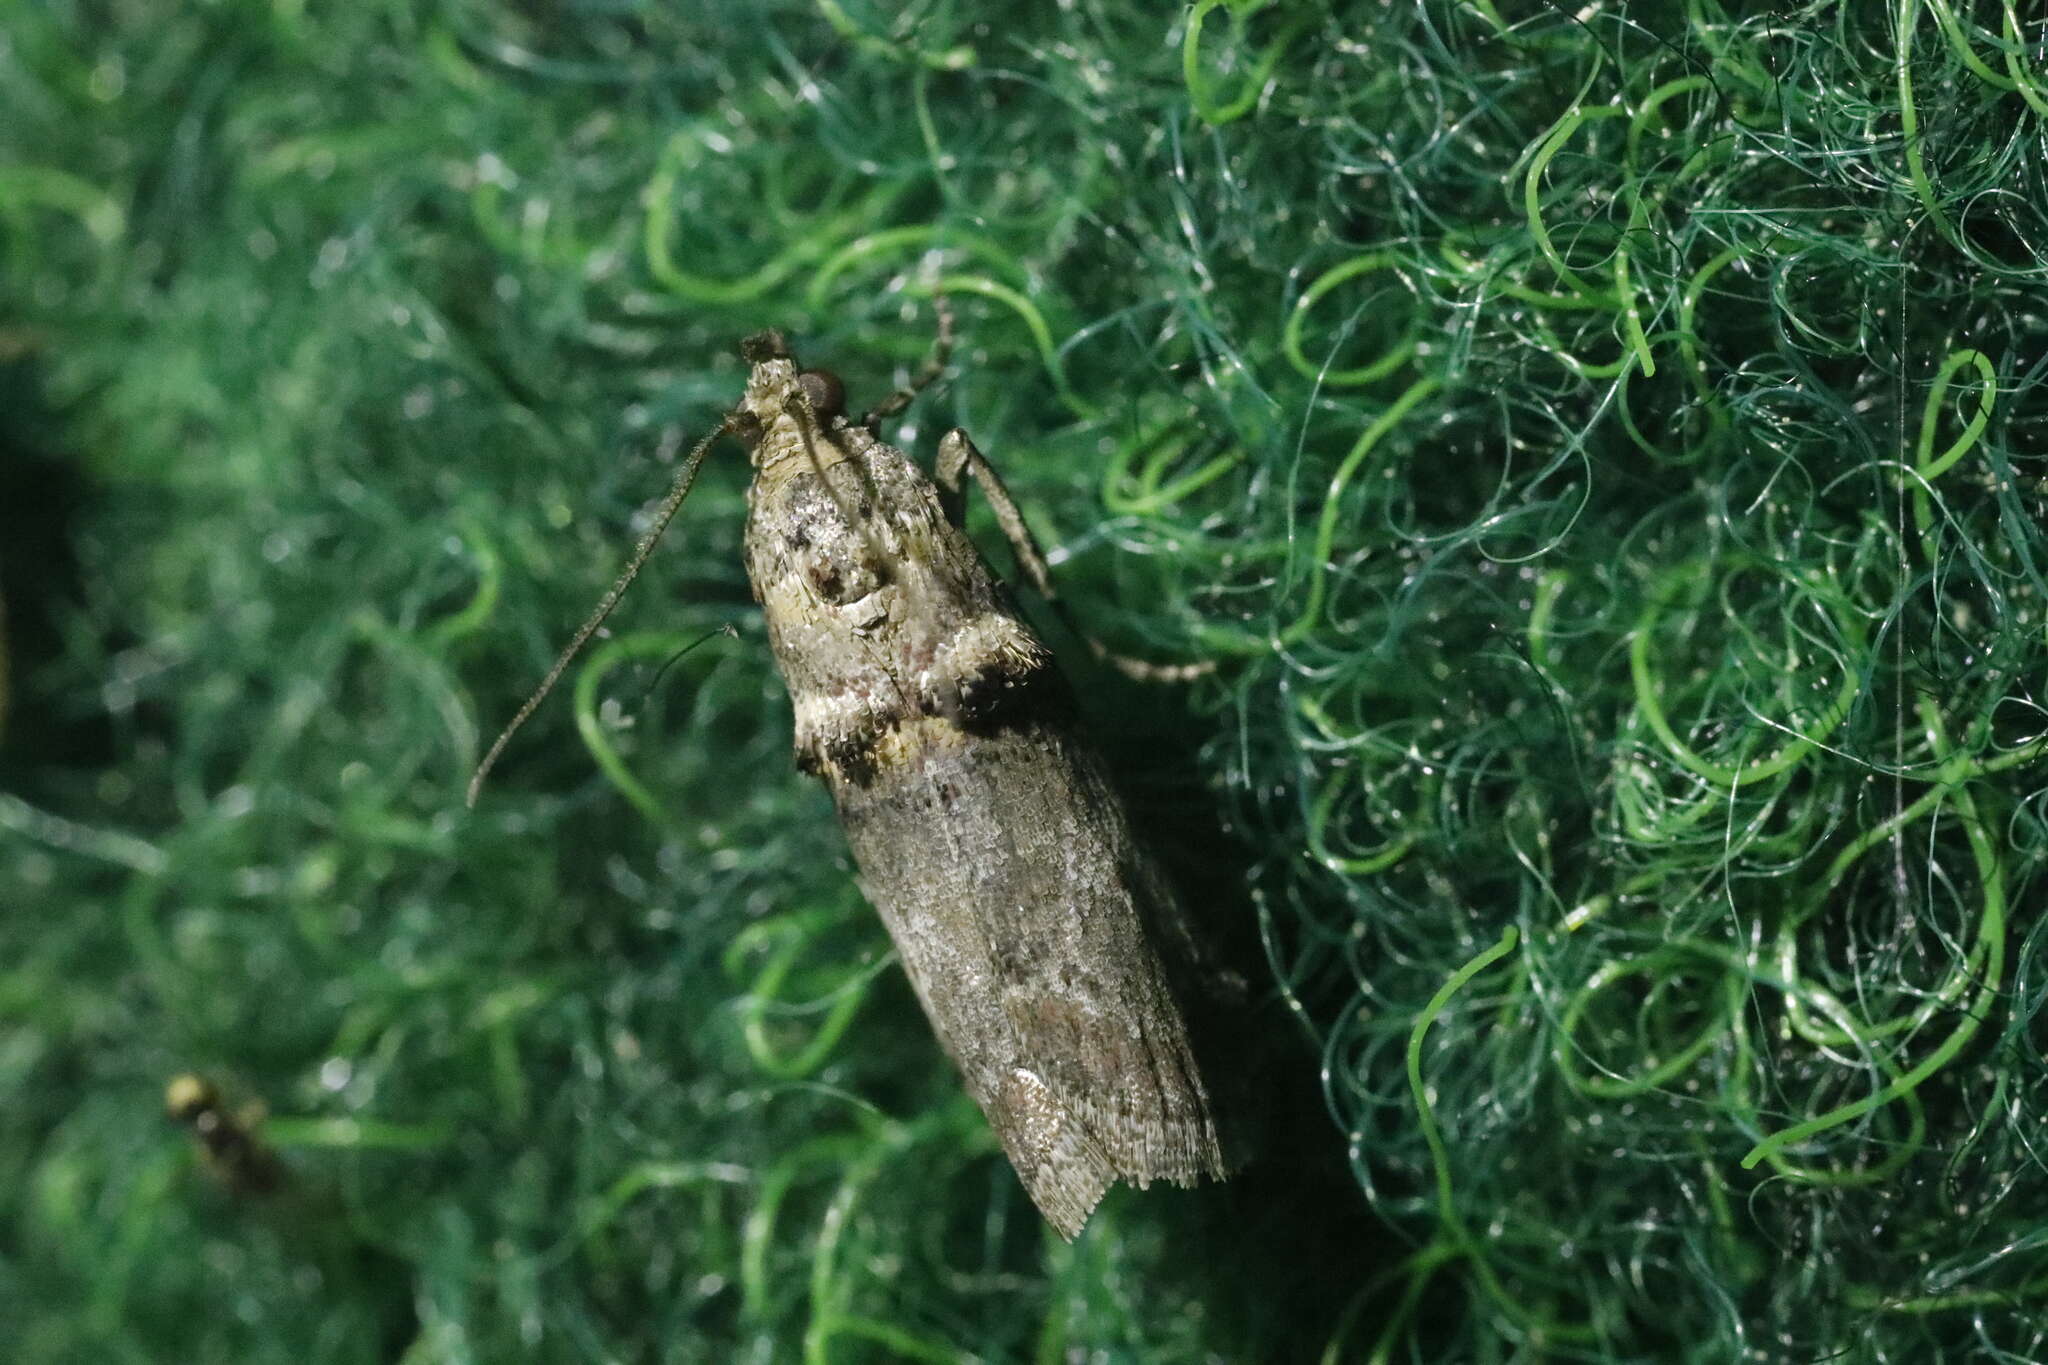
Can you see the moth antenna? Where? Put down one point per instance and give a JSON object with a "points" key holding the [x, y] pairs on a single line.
{"points": [[807, 427], [679, 490], [934, 366], [728, 629]]}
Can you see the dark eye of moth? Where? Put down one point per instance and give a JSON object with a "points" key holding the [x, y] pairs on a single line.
{"points": [[826, 394]]}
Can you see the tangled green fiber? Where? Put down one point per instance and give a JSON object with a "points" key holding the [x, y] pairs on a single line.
{"points": [[1602, 447]]}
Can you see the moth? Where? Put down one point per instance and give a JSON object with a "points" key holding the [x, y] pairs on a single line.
{"points": [[985, 827]]}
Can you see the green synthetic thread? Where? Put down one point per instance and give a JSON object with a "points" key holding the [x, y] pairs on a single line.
{"points": [[497, 1017], [2023, 80], [1639, 122], [1290, 334], [540, 237], [35, 826], [287, 1132], [443, 51], [1556, 348], [1688, 344], [1930, 466], [1751, 770], [1952, 29], [1452, 1233], [1909, 121], [1901, 1150], [1425, 1118], [1137, 494], [1626, 414], [1869, 1300], [1034, 322], [483, 603], [592, 727], [1550, 586], [1522, 293], [1546, 148], [679, 157], [1992, 931], [1631, 311], [1208, 105], [901, 1344], [1390, 851], [775, 1183], [895, 242], [97, 211], [956, 58], [787, 940], [1326, 524], [1954, 772], [1677, 1056], [602, 1210], [1419, 1269], [826, 1287]]}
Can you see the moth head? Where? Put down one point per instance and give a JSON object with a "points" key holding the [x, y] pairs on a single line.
{"points": [[771, 382], [764, 346], [777, 389]]}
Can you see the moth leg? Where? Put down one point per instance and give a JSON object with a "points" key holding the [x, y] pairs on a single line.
{"points": [[958, 459], [933, 367]]}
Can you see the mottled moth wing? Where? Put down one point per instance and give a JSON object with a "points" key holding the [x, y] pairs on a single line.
{"points": [[985, 829], [1005, 870]]}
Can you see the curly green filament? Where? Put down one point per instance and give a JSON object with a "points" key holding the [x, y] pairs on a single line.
{"points": [[837, 1152], [1721, 774], [1665, 967], [1532, 200], [1945, 15], [1209, 107], [101, 214], [1454, 1239], [2023, 80], [358, 1134], [892, 243], [658, 233], [1688, 337], [1651, 102], [956, 58], [1391, 851], [1870, 1300], [1631, 309], [1425, 1117], [790, 939], [1930, 466], [1955, 770], [1290, 334], [592, 729], [1326, 527], [828, 1288], [1550, 586], [1909, 120], [603, 1209], [1148, 491], [1991, 931], [483, 602], [1034, 322]]}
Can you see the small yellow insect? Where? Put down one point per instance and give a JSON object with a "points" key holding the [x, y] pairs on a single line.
{"points": [[234, 1153]]}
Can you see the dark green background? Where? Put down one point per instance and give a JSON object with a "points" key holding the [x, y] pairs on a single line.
{"points": [[1601, 447]]}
